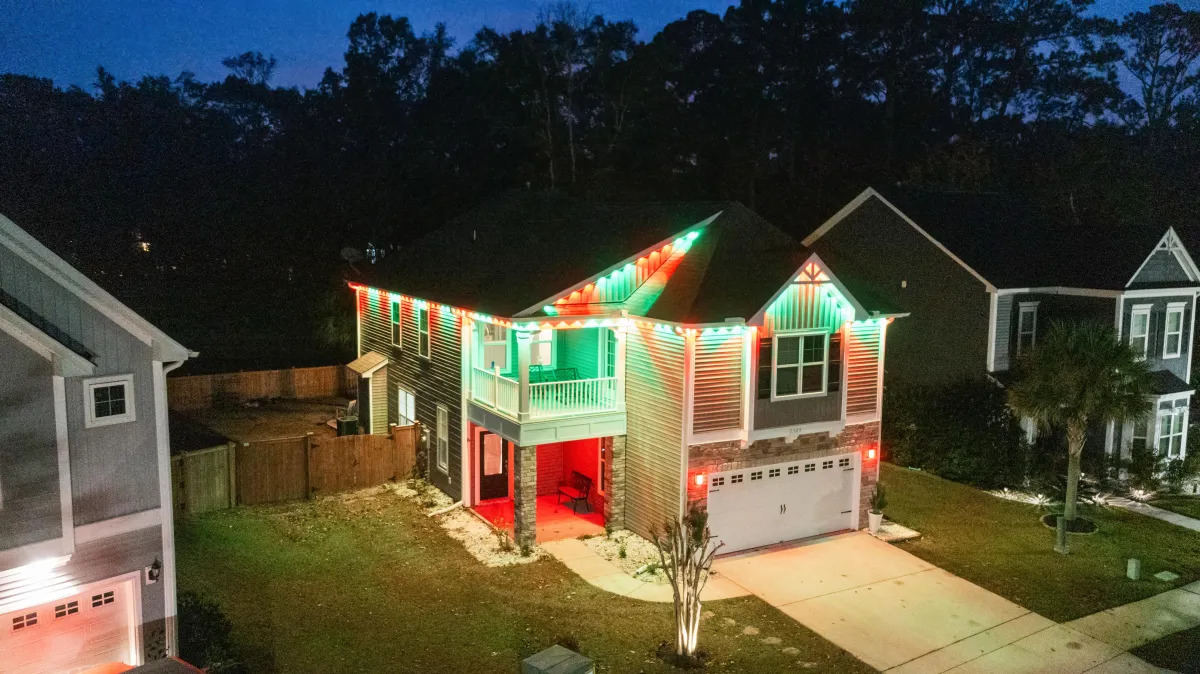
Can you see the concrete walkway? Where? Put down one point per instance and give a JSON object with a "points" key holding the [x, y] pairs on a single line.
{"points": [[1157, 513], [600, 572]]}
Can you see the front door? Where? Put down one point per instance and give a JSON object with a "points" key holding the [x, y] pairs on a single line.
{"points": [[493, 466]]}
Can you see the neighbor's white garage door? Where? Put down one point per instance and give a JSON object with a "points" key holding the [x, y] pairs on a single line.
{"points": [[71, 634], [764, 505]]}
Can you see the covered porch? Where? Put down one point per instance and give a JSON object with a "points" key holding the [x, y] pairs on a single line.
{"points": [[517, 488]]}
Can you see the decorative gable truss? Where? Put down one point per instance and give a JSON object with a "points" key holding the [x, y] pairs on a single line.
{"points": [[1168, 262]]}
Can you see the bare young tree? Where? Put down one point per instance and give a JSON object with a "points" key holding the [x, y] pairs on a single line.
{"points": [[686, 550]]}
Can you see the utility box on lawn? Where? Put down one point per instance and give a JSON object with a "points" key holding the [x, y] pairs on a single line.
{"points": [[557, 660]]}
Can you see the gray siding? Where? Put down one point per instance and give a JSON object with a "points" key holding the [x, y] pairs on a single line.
{"points": [[1161, 267], [114, 469], [654, 436], [30, 508], [1004, 332], [781, 413], [945, 337], [1158, 319], [435, 381], [1051, 309]]}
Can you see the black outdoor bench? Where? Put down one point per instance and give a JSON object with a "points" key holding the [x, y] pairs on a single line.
{"points": [[577, 490]]}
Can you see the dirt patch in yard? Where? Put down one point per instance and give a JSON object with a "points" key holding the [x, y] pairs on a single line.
{"points": [[265, 420]]}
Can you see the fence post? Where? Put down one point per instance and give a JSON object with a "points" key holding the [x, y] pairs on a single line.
{"points": [[231, 464], [308, 465]]}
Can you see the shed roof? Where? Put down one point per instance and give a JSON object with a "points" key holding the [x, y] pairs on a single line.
{"points": [[1164, 383]]}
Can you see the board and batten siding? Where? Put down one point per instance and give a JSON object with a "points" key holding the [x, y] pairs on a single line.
{"points": [[433, 381], [30, 507], [862, 370], [654, 362], [717, 389], [114, 469], [801, 306]]}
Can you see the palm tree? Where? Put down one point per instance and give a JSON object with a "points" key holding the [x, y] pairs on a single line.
{"points": [[1079, 374]]}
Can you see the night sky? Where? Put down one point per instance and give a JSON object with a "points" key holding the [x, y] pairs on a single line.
{"points": [[66, 39]]}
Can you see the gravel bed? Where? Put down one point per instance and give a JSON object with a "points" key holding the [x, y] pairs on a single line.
{"points": [[639, 553]]}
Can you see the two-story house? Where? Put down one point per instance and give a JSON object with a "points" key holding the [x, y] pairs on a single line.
{"points": [[983, 274], [87, 568], [670, 354]]}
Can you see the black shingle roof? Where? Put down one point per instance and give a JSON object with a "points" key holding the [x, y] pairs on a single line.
{"points": [[524, 247], [1163, 382], [1012, 244]]}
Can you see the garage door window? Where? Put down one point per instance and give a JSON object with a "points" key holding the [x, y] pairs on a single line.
{"points": [[734, 479], [99, 600], [826, 465], [801, 365], [810, 467], [64, 610], [24, 621]]}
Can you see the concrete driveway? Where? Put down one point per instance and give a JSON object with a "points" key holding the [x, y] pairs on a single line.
{"points": [[899, 613]]}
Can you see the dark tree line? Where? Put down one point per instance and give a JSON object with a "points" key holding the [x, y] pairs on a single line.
{"points": [[791, 106]]}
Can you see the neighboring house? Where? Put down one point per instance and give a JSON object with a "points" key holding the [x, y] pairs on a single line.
{"points": [[983, 275], [87, 567], [669, 354]]}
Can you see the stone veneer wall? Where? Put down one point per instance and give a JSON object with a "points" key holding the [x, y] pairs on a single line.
{"points": [[721, 456], [614, 496], [525, 495]]}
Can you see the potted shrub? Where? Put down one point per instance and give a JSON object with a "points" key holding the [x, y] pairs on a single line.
{"points": [[875, 514]]}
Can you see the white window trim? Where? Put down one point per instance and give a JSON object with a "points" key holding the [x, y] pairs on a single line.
{"points": [[1182, 411], [1173, 308], [485, 343], [799, 366], [1134, 312], [396, 326], [89, 402], [401, 392], [1023, 309], [424, 332], [443, 437]]}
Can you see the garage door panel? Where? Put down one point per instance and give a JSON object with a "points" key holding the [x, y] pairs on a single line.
{"points": [[769, 504], [71, 641]]}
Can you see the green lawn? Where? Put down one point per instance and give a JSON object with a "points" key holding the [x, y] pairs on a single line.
{"points": [[1184, 505], [1001, 545], [372, 585]]}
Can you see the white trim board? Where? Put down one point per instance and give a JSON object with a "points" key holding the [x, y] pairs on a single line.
{"points": [[1171, 243], [860, 313], [88, 533], [862, 199], [29, 249]]}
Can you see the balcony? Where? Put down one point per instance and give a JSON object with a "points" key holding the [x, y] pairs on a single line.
{"points": [[577, 393]]}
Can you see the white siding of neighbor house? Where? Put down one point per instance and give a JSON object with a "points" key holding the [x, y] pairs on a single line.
{"points": [[379, 401], [1004, 328], [717, 390], [654, 437]]}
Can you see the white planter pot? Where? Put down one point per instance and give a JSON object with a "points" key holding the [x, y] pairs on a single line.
{"points": [[874, 521]]}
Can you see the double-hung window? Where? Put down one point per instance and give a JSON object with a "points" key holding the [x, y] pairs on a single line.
{"points": [[1173, 334], [495, 347], [610, 353], [407, 404], [801, 364], [541, 351], [1139, 329], [108, 400], [396, 336], [443, 439], [1172, 422], [1026, 326], [423, 331]]}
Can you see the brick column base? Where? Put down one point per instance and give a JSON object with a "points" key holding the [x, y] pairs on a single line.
{"points": [[614, 497], [525, 495]]}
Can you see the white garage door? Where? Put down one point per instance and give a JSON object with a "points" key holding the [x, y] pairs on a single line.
{"points": [[71, 634], [764, 505]]}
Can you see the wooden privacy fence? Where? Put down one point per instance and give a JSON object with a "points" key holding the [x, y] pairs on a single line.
{"points": [[267, 471], [206, 390]]}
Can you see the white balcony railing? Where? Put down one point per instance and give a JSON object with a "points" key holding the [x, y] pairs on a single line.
{"points": [[546, 400], [565, 398]]}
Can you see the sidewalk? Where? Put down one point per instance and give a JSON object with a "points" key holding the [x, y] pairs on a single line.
{"points": [[1157, 513]]}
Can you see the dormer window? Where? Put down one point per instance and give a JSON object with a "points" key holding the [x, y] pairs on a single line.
{"points": [[108, 400]]}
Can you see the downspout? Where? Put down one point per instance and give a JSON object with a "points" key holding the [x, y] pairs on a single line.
{"points": [[166, 503]]}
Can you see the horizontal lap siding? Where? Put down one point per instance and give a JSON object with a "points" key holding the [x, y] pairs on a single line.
{"points": [[433, 381], [1004, 329], [654, 438], [717, 395], [380, 403], [862, 369]]}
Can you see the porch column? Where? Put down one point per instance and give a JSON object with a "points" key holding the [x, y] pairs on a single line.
{"points": [[614, 498], [525, 495], [619, 368], [524, 345]]}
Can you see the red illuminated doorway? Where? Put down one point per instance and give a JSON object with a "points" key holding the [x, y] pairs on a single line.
{"points": [[493, 466]]}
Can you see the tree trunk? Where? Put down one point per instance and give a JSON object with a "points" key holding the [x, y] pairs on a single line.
{"points": [[1076, 434]]}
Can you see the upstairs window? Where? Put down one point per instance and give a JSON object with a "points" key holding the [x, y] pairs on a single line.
{"points": [[801, 365], [1139, 329], [1026, 326], [396, 336], [542, 348], [423, 332], [1173, 334], [495, 347], [108, 400]]}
